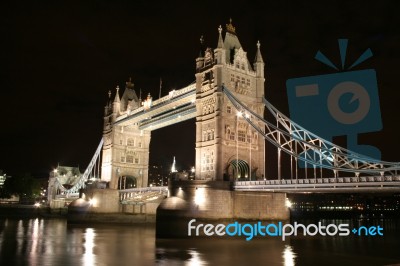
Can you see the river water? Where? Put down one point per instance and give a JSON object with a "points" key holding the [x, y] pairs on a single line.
{"points": [[54, 242]]}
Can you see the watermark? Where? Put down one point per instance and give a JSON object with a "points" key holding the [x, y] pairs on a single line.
{"points": [[282, 230], [344, 103]]}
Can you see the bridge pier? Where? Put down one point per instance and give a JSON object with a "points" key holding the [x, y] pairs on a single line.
{"points": [[215, 201]]}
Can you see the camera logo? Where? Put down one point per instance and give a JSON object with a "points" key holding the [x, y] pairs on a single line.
{"points": [[342, 103]]}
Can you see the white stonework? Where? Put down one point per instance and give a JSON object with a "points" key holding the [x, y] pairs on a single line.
{"points": [[126, 148], [222, 138]]}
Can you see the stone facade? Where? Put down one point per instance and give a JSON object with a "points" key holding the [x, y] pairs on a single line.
{"points": [[126, 148], [223, 137], [214, 201]]}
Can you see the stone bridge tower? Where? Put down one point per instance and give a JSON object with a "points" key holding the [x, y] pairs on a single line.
{"points": [[227, 148], [125, 156]]}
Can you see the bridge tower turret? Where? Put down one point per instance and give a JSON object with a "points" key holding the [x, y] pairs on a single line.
{"points": [[125, 155], [227, 148], [116, 105]]}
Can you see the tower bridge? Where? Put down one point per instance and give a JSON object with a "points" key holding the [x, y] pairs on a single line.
{"points": [[228, 104]]}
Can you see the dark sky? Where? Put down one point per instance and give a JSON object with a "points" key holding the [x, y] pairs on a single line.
{"points": [[60, 58]]}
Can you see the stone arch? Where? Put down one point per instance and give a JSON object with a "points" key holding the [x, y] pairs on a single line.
{"points": [[238, 169], [127, 181]]}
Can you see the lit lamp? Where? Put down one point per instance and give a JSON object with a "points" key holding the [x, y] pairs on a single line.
{"points": [[239, 114], [193, 170]]}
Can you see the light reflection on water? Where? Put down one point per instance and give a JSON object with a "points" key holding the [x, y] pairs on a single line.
{"points": [[89, 256], [288, 256], [53, 242]]}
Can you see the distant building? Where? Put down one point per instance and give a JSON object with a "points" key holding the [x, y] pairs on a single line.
{"points": [[158, 175], [3, 177], [345, 203]]}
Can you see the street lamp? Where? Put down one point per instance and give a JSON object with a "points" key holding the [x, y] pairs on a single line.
{"points": [[250, 139], [193, 170], [238, 115]]}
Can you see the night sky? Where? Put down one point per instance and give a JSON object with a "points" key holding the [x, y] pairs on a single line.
{"points": [[59, 59]]}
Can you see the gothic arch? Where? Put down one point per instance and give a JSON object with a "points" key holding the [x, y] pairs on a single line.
{"points": [[237, 169], [127, 181]]}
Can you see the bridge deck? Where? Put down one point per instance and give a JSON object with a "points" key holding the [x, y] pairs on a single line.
{"points": [[334, 185]]}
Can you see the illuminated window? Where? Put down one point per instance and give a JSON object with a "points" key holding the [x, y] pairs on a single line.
{"points": [[209, 161], [129, 159], [130, 142], [203, 165], [232, 136], [242, 136]]}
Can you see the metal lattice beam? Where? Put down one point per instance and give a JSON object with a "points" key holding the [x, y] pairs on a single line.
{"points": [[302, 144], [81, 182]]}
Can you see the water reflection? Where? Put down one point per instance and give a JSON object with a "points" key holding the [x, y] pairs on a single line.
{"points": [[53, 242], [219, 251], [35, 240], [88, 256], [288, 256]]}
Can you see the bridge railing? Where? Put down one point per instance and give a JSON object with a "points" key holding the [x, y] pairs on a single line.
{"points": [[342, 184], [320, 180], [175, 93], [126, 194]]}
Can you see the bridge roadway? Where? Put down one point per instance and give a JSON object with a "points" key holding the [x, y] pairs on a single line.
{"points": [[324, 185], [374, 184], [177, 106]]}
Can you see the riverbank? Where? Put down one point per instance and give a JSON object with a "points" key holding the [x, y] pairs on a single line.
{"points": [[30, 211], [110, 218], [20, 211]]}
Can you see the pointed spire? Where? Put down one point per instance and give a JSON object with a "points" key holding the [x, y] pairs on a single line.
{"points": [[159, 94], [220, 41], [116, 99], [129, 84], [230, 28], [108, 105], [173, 168], [259, 58], [201, 53]]}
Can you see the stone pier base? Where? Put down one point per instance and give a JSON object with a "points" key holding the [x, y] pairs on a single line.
{"points": [[215, 201], [103, 206]]}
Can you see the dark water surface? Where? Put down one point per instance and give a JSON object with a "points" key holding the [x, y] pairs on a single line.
{"points": [[53, 242]]}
